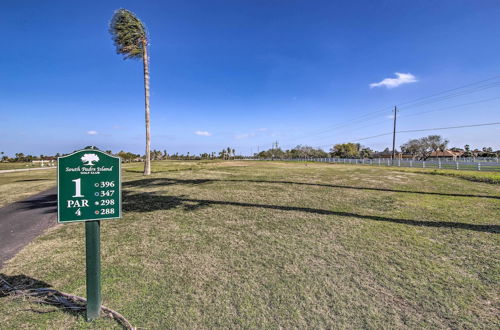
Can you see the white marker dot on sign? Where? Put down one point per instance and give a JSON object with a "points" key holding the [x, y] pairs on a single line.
{"points": [[96, 203]]}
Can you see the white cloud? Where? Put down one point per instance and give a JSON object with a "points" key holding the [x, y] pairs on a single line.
{"points": [[402, 78], [203, 133], [92, 132]]}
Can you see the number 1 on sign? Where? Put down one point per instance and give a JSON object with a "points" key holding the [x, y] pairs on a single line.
{"points": [[78, 188]]}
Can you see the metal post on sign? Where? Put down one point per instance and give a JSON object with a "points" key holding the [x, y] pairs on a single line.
{"points": [[457, 165], [479, 166], [93, 254], [82, 187]]}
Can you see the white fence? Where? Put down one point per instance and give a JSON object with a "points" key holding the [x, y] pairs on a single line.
{"points": [[487, 166]]}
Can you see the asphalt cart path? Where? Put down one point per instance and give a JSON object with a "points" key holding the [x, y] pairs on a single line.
{"points": [[23, 221]]}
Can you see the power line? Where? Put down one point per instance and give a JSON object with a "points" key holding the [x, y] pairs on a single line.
{"points": [[429, 99], [416, 130], [394, 135], [425, 101], [435, 110], [450, 96], [433, 98], [450, 90], [450, 127], [451, 107], [411, 131]]}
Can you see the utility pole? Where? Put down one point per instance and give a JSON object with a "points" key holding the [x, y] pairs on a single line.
{"points": [[394, 136]]}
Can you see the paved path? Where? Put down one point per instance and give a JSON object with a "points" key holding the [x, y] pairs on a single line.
{"points": [[27, 169], [22, 221]]}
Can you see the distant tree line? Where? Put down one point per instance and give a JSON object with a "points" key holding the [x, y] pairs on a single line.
{"points": [[420, 149], [299, 151]]}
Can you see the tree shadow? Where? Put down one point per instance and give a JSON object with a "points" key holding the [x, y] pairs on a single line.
{"points": [[20, 281], [170, 181], [10, 285], [30, 180], [147, 202], [46, 202], [164, 182]]}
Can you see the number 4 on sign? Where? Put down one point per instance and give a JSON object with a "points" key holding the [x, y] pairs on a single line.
{"points": [[78, 212]]}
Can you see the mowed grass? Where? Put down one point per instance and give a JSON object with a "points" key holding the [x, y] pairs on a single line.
{"points": [[280, 245], [15, 186], [471, 175]]}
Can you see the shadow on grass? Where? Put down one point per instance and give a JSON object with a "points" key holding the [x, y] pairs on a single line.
{"points": [[30, 180], [46, 202], [11, 285], [168, 182], [147, 202], [161, 171]]}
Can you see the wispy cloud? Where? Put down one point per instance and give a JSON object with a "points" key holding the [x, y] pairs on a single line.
{"points": [[203, 133], [92, 132], [244, 136], [256, 132], [402, 78]]}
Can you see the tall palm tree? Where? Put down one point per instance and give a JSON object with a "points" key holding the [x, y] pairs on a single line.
{"points": [[131, 40]]}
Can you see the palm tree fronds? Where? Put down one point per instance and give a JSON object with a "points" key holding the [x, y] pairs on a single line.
{"points": [[128, 34]]}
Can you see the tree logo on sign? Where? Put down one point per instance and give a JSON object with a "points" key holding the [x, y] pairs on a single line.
{"points": [[89, 159]]}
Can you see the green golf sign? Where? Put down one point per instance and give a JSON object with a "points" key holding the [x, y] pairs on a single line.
{"points": [[89, 189], [88, 186]]}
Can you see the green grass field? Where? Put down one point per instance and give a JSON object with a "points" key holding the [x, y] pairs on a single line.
{"points": [[18, 185], [279, 245]]}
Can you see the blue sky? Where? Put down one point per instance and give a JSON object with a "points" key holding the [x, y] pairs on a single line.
{"points": [[244, 73]]}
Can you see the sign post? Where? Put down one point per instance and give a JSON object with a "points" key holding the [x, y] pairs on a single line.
{"points": [[89, 189]]}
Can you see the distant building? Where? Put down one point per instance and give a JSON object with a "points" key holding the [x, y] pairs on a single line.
{"points": [[49, 161], [446, 154]]}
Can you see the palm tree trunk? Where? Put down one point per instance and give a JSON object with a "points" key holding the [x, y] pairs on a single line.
{"points": [[145, 58]]}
